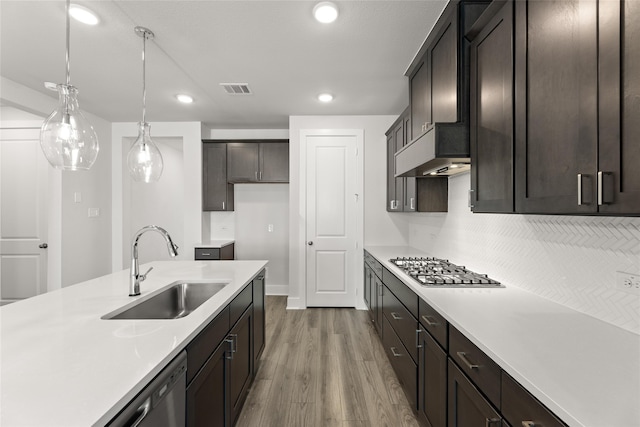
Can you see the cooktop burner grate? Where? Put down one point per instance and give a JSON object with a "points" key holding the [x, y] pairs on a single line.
{"points": [[439, 272]]}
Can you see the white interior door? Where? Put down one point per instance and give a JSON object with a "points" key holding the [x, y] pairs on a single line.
{"points": [[23, 214], [331, 208]]}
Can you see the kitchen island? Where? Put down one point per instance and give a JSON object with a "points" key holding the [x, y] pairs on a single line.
{"points": [[583, 369], [61, 364]]}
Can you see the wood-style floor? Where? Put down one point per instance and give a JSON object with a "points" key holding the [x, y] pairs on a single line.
{"points": [[323, 367]]}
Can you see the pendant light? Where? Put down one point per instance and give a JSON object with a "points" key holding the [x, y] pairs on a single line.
{"points": [[144, 159], [68, 140]]}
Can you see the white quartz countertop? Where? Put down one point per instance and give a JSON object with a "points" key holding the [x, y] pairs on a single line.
{"points": [[218, 243], [62, 365], [585, 370]]}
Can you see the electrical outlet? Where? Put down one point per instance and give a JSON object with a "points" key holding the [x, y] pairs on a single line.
{"points": [[270, 228], [628, 282]]}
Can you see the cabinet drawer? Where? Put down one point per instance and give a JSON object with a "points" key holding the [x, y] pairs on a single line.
{"points": [[373, 263], [403, 365], [483, 371], [403, 323], [401, 291], [201, 347], [207, 253], [240, 303], [433, 322], [519, 407]]}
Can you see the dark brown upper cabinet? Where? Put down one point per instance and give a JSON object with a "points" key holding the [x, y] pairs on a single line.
{"points": [[556, 110], [619, 108], [254, 161], [491, 107], [217, 193]]}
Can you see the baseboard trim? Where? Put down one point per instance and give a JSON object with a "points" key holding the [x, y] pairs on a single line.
{"points": [[295, 303], [282, 290]]}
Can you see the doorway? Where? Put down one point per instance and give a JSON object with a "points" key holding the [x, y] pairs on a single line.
{"points": [[333, 235]]}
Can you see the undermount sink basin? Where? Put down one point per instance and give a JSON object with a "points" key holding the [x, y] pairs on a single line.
{"points": [[178, 300]]}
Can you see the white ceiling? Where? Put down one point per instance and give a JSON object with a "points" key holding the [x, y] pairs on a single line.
{"points": [[276, 47]]}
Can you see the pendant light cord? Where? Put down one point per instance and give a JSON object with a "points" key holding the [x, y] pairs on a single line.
{"points": [[144, 82], [67, 58]]}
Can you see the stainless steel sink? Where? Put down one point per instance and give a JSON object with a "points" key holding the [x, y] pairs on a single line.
{"points": [[178, 300]]}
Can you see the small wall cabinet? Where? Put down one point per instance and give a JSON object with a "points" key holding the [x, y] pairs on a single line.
{"points": [[217, 193], [252, 161]]}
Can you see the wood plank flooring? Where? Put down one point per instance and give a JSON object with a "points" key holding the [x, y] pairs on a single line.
{"points": [[323, 367]]}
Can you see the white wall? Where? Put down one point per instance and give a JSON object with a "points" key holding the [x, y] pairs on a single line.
{"points": [[379, 227], [569, 259], [79, 246], [256, 207], [190, 207]]}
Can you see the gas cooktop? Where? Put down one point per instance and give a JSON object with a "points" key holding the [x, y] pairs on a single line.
{"points": [[441, 273]]}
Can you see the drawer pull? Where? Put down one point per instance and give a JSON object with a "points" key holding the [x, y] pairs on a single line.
{"points": [[490, 421], [430, 321], [528, 424], [395, 316], [395, 352], [205, 254], [463, 357]]}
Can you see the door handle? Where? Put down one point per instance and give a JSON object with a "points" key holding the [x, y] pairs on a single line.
{"points": [[310, 243], [43, 246]]}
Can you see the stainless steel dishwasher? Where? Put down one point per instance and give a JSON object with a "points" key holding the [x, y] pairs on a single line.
{"points": [[162, 403]]}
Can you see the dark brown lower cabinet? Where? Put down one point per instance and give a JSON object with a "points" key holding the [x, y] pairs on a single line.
{"points": [[432, 380], [405, 368], [207, 394], [240, 362], [367, 287], [259, 331], [520, 408], [467, 406]]}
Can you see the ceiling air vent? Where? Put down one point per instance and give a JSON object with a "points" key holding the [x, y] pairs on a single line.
{"points": [[236, 88]]}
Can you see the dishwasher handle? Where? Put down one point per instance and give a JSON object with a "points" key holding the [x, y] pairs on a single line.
{"points": [[140, 413]]}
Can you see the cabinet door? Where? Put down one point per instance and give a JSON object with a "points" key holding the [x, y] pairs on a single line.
{"points": [[217, 193], [619, 92], [243, 161], [432, 380], [410, 189], [467, 407], [491, 126], [443, 61], [379, 295], [556, 73], [274, 162], [395, 186], [240, 364], [367, 286], [207, 393], [258, 320], [420, 99]]}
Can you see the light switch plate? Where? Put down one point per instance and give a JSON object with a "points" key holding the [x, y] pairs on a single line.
{"points": [[94, 212]]}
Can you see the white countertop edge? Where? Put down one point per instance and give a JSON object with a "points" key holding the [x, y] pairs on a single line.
{"points": [[526, 379]]}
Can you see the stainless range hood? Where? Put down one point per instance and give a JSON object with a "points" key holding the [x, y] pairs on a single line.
{"points": [[442, 150]]}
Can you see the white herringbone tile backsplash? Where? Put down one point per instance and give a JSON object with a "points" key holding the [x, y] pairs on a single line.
{"points": [[571, 260]]}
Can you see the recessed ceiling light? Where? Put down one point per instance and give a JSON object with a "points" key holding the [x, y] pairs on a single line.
{"points": [[82, 14], [185, 99], [325, 97], [325, 12]]}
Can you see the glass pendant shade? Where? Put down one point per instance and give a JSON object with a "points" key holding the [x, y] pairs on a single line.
{"points": [[68, 140], [144, 159]]}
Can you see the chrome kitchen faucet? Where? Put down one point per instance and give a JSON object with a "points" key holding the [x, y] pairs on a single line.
{"points": [[134, 275]]}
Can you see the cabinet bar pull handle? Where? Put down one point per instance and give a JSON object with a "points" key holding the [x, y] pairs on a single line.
{"points": [[234, 338], [260, 175], [599, 188], [206, 254], [528, 424], [489, 421], [470, 202], [256, 175], [579, 189], [395, 352], [430, 321], [229, 339], [418, 332], [463, 356], [412, 203], [222, 205], [395, 316]]}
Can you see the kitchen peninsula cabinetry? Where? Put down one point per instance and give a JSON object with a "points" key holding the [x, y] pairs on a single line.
{"points": [[491, 120], [221, 359], [253, 161], [217, 193]]}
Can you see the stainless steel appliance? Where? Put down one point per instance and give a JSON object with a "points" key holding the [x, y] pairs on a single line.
{"points": [[162, 403], [441, 273]]}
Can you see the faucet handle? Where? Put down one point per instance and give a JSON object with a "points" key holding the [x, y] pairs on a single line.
{"points": [[144, 276]]}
